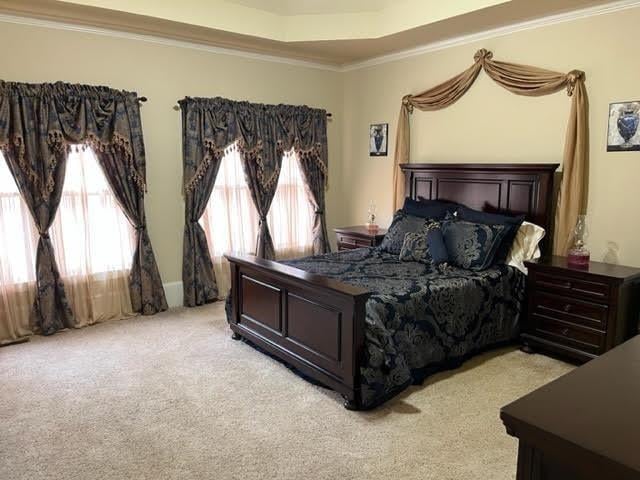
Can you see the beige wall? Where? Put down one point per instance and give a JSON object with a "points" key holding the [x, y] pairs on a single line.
{"points": [[165, 74], [490, 124]]}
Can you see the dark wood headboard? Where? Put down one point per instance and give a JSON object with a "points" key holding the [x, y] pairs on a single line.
{"points": [[511, 188]]}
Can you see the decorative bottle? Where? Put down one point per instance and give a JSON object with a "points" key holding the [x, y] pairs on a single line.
{"points": [[371, 217], [578, 256]]}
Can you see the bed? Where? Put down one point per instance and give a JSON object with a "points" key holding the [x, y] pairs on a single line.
{"points": [[367, 325]]}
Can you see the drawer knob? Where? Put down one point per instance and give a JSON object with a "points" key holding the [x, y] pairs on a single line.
{"points": [[567, 285], [567, 307], [565, 332]]}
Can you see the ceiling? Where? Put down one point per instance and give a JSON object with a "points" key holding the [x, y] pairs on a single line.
{"points": [[331, 21], [332, 32], [315, 7]]}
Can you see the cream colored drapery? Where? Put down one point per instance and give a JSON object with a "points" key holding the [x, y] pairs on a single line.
{"points": [[93, 245], [521, 80]]}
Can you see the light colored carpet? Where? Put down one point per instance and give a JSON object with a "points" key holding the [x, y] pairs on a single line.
{"points": [[173, 397]]}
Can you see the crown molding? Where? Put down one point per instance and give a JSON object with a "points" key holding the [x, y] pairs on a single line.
{"points": [[108, 32], [495, 32], [604, 9]]}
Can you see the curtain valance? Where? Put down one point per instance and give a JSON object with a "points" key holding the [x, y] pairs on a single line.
{"points": [[59, 114], [521, 80], [305, 130], [261, 133]]}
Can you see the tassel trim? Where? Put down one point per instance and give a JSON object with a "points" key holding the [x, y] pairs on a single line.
{"points": [[121, 144], [214, 153], [313, 154], [60, 147]]}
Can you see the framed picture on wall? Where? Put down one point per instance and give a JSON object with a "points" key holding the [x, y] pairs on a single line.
{"points": [[378, 133], [624, 119]]}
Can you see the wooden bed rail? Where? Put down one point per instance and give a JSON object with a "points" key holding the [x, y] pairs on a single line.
{"points": [[314, 323]]}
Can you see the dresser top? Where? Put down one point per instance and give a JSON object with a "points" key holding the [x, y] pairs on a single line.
{"points": [[593, 408], [596, 268], [361, 231]]}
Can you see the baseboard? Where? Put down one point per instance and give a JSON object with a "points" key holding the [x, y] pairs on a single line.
{"points": [[173, 292]]}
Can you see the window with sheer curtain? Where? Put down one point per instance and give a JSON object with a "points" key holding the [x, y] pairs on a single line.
{"points": [[92, 239], [230, 220]]}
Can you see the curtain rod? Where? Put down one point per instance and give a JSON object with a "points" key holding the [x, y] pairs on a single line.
{"points": [[177, 108]]}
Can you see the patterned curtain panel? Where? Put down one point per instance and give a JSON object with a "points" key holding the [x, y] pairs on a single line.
{"points": [[201, 163], [261, 133], [38, 123]]}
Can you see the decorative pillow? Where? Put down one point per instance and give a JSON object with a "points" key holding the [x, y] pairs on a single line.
{"points": [[433, 209], [525, 246], [425, 247], [400, 226], [512, 224], [472, 246]]}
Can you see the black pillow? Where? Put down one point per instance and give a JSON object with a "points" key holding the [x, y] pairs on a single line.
{"points": [[426, 247], [512, 224], [471, 245], [400, 226], [433, 209]]}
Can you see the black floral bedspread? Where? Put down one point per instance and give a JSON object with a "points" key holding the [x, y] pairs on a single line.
{"points": [[421, 319]]}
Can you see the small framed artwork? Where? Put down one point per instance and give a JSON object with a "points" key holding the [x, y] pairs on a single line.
{"points": [[378, 133], [624, 119]]}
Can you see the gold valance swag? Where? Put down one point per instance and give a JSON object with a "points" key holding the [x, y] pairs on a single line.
{"points": [[521, 80]]}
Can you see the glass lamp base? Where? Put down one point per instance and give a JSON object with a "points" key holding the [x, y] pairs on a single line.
{"points": [[578, 258]]}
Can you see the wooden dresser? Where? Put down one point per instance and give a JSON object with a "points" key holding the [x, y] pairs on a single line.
{"points": [[358, 236], [583, 426], [580, 313]]}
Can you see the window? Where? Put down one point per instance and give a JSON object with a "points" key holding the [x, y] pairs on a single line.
{"points": [[230, 220], [90, 234], [18, 237], [18, 234], [92, 240], [291, 215]]}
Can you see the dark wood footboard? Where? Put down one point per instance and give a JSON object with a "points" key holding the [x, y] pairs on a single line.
{"points": [[311, 322]]}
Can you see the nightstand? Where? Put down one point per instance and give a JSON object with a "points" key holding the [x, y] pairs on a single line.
{"points": [[358, 236], [579, 313]]}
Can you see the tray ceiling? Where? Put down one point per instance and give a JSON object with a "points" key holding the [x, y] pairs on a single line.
{"points": [[332, 32], [315, 7], [333, 21]]}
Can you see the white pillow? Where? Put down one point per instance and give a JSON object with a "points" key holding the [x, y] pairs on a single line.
{"points": [[525, 246]]}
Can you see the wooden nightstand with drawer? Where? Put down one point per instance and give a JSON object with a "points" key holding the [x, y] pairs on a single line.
{"points": [[358, 236], [580, 313]]}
